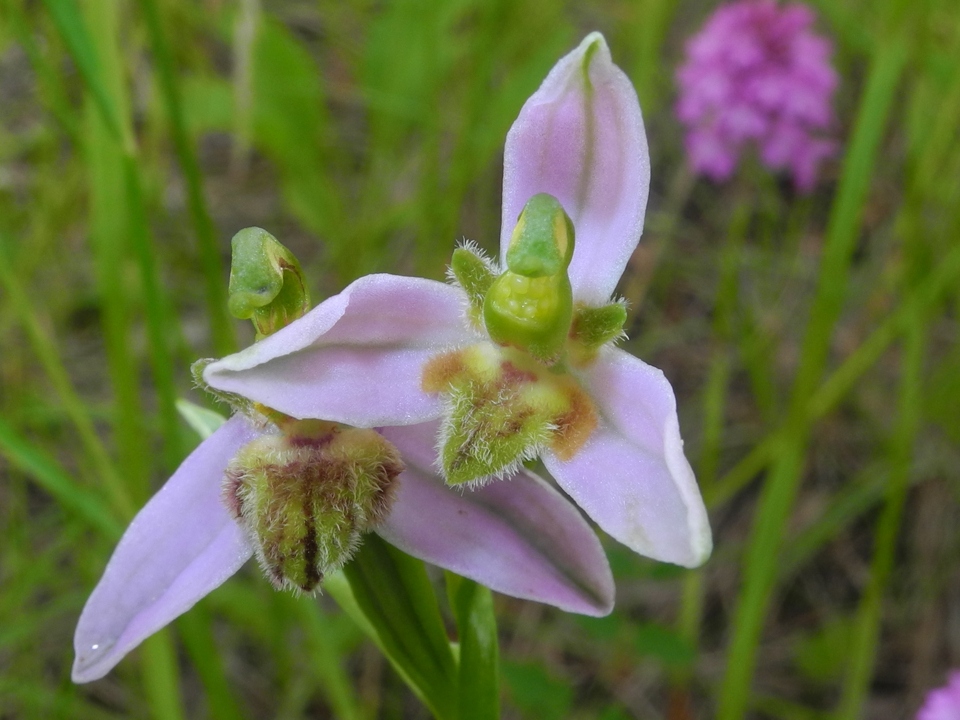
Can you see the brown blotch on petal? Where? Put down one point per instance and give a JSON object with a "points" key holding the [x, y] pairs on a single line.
{"points": [[513, 375], [441, 370], [230, 491], [574, 426]]}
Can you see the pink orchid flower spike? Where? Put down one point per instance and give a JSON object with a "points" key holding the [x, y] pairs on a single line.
{"points": [[942, 703], [518, 361], [529, 543], [757, 74]]}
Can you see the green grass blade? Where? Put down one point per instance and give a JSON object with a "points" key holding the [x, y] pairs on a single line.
{"points": [[108, 234], [863, 651], [117, 212], [395, 596], [783, 481], [161, 676], [479, 681], [108, 97], [325, 660], [54, 479], [45, 347], [221, 323], [54, 93], [930, 290], [714, 410], [293, 127], [72, 29], [202, 648], [159, 319]]}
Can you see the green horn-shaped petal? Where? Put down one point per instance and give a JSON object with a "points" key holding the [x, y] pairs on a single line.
{"points": [[266, 282]]}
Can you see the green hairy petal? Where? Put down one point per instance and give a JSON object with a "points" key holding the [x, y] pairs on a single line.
{"points": [[503, 407], [489, 433], [474, 274], [266, 282], [594, 327], [237, 403]]}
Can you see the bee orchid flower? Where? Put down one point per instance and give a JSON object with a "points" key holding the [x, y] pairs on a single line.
{"points": [[517, 359], [300, 493]]}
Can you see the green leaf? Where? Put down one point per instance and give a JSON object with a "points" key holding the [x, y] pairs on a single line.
{"points": [[606, 629], [203, 421], [537, 693], [391, 598], [665, 645], [823, 655], [479, 651]]}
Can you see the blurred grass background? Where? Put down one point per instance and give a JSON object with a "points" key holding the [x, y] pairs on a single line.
{"points": [[812, 342]]}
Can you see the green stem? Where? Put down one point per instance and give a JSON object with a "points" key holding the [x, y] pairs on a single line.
{"points": [[867, 629], [714, 409], [221, 324], [326, 661], [162, 676], [159, 319], [781, 487]]}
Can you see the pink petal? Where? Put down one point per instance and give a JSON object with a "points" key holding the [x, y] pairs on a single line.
{"points": [[355, 358], [631, 477], [580, 138], [181, 546], [519, 536]]}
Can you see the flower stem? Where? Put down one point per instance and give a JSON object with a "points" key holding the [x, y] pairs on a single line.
{"points": [[221, 326]]}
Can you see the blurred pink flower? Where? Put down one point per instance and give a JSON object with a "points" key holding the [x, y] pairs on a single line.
{"points": [[943, 703], [757, 72]]}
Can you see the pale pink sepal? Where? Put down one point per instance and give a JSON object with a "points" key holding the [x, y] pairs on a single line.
{"points": [[356, 358], [180, 547], [517, 536], [580, 137], [631, 476]]}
